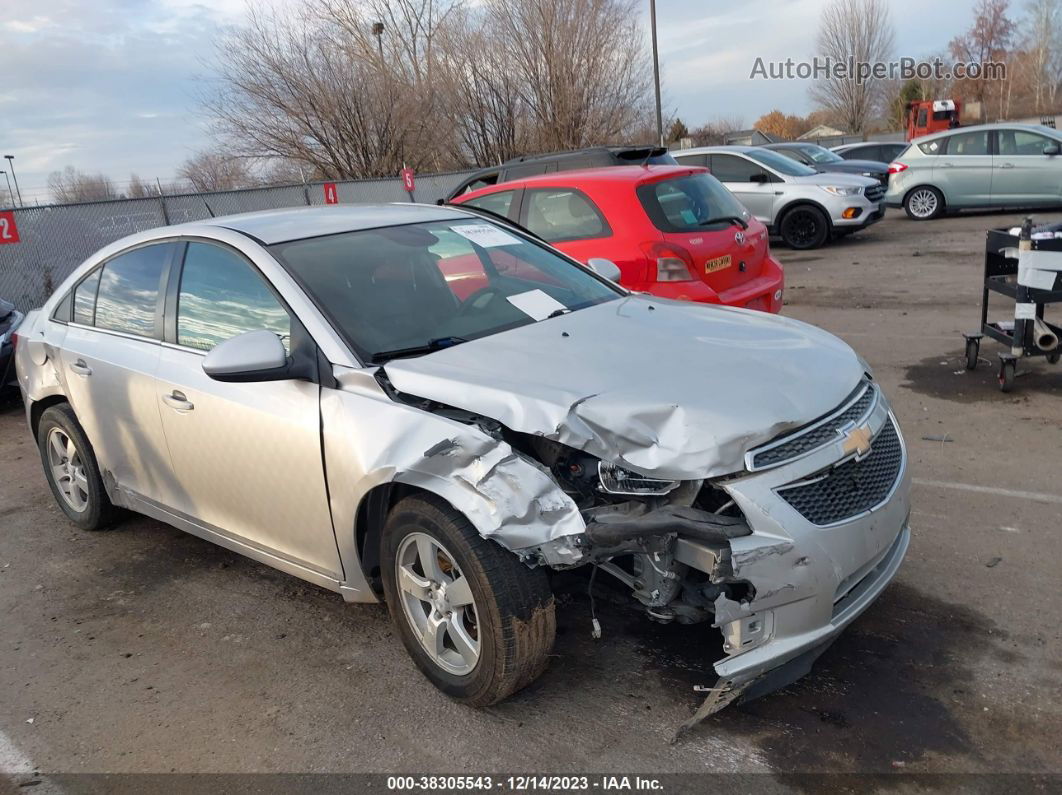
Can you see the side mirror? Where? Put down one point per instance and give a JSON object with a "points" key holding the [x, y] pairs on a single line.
{"points": [[604, 268], [1051, 150], [760, 178], [252, 356]]}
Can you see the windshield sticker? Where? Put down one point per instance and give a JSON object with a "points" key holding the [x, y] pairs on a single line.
{"points": [[486, 235], [536, 304]]}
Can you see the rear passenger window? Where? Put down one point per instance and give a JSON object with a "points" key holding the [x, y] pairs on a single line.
{"points": [[691, 160], [731, 168], [85, 298], [223, 296], [498, 203], [971, 143], [129, 290], [560, 214]]}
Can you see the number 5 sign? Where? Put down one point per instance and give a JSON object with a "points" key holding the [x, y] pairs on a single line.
{"points": [[8, 230]]}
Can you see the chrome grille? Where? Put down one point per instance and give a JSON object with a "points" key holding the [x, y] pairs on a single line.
{"points": [[819, 433], [851, 488]]}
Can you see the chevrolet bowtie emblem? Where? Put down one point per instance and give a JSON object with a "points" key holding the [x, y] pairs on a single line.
{"points": [[857, 441]]}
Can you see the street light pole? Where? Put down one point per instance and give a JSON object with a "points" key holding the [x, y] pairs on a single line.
{"points": [[656, 73], [11, 167], [9, 193]]}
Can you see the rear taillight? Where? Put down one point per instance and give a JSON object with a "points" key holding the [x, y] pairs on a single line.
{"points": [[897, 167], [673, 263], [14, 340]]}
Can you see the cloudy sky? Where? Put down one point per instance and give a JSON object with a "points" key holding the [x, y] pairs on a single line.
{"points": [[112, 85]]}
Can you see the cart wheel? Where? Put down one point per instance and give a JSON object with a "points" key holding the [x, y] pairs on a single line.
{"points": [[973, 348], [1006, 376], [1052, 358]]}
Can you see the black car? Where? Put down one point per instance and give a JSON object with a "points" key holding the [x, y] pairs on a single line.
{"points": [[594, 157], [881, 151], [822, 159], [9, 320]]}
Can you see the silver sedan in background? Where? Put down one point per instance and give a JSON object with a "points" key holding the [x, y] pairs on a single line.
{"points": [[423, 405]]}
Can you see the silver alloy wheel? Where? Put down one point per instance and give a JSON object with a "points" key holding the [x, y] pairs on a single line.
{"points": [[923, 203], [437, 601], [68, 470]]}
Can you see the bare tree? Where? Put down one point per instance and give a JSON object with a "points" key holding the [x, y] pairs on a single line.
{"points": [[70, 186], [213, 171], [1043, 44], [714, 133], [860, 30], [988, 39], [138, 189]]}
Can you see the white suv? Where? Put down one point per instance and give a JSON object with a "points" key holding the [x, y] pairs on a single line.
{"points": [[801, 205]]}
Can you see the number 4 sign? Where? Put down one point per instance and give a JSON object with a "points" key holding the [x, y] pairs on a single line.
{"points": [[8, 230], [331, 197]]}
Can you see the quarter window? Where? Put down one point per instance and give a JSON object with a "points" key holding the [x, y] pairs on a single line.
{"points": [[223, 296], [85, 298], [558, 214], [129, 290]]}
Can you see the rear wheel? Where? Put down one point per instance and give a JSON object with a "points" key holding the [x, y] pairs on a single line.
{"points": [[71, 468], [477, 622], [804, 227], [924, 203]]}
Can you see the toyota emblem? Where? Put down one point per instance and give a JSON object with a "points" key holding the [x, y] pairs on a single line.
{"points": [[739, 238]]}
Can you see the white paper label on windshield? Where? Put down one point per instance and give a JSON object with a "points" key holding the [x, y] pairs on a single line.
{"points": [[536, 304], [486, 235]]}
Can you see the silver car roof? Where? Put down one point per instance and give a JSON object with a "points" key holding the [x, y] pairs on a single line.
{"points": [[1002, 125], [279, 226]]}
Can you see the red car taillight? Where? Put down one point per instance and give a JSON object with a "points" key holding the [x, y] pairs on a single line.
{"points": [[897, 167], [673, 263], [14, 340]]}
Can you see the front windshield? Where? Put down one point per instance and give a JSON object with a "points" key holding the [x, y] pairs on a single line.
{"points": [[780, 163], [819, 154], [435, 284]]}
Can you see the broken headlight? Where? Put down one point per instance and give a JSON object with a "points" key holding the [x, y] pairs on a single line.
{"points": [[617, 480]]}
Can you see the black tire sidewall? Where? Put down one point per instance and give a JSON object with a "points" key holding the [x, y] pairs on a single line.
{"points": [[95, 515], [410, 517], [823, 223]]}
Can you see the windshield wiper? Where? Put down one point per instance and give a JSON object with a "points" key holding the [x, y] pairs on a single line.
{"points": [[734, 219], [430, 346]]}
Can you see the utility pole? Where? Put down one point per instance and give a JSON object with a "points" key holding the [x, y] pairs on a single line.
{"points": [[9, 191], [11, 167], [656, 73]]}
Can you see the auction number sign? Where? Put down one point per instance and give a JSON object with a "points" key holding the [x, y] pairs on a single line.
{"points": [[8, 230]]}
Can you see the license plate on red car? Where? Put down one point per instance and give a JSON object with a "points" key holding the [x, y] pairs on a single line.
{"points": [[717, 264]]}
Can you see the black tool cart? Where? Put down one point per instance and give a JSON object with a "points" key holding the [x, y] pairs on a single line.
{"points": [[1026, 267]]}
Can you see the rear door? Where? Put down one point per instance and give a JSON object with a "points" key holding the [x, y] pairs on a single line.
{"points": [[736, 173], [568, 219], [1022, 173], [247, 456], [109, 357], [964, 170]]}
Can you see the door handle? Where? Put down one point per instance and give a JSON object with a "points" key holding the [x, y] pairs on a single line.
{"points": [[80, 368], [949, 165], [177, 400], [1007, 165]]}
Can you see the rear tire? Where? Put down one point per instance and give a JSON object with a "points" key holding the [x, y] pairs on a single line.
{"points": [[804, 227], [71, 469], [923, 203], [477, 622]]}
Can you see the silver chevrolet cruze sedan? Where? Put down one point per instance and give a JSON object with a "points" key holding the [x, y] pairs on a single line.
{"points": [[432, 407]]}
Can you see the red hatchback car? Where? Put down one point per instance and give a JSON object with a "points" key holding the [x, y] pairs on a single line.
{"points": [[674, 231]]}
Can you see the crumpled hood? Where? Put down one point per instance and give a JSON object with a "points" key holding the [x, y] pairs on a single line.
{"points": [[675, 389]]}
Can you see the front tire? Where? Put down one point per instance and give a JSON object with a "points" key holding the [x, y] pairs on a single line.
{"points": [[71, 469], [477, 622], [804, 227], [923, 203]]}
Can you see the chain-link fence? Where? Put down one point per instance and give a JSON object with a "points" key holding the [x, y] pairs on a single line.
{"points": [[53, 240]]}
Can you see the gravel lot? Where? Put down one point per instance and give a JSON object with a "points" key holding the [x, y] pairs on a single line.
{"points": [[146, 650]]}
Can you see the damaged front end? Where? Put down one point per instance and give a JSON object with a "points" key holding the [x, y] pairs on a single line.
{"points": [[778, 556]]}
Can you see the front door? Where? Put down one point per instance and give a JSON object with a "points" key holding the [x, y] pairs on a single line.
{"points": [[737, 173], [1022, 173], [247, 456]]}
